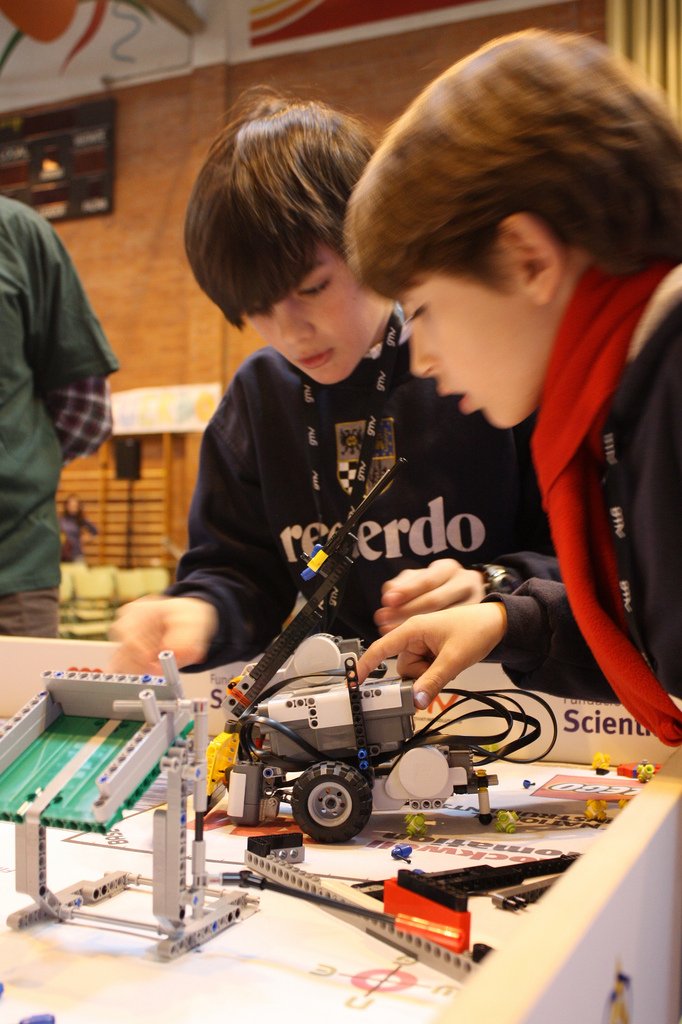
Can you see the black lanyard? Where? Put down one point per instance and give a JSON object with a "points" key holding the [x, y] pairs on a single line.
{"points": [[384, 366], [615, 488]]}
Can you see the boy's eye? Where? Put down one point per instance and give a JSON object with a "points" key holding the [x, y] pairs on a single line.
{"points": [[314, 289]]}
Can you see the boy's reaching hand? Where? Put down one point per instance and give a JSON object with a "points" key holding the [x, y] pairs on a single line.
{"points": [[144, 628], [444, 583], [434, 649]]}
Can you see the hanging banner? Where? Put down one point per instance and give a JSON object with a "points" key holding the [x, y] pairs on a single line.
{"points": [[185, 408]]}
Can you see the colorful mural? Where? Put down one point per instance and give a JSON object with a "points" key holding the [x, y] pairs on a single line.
{"points": [[47, 20], [43, 21]]}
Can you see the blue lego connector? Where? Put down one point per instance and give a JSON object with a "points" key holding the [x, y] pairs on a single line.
{"points": [[312, 566]]}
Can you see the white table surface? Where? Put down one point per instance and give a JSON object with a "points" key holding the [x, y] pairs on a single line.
{"points": [[289, 957]]}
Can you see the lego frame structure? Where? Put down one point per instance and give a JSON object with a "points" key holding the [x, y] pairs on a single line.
{"points": [[76, 756]]}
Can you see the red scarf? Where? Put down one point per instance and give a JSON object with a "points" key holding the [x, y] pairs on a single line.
{"points": [[587, 362]]}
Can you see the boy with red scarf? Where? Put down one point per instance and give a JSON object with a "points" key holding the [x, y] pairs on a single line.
{"points": [[538, 254]]}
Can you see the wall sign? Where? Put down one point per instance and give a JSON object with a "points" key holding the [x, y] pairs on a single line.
{"points": [[60, 162], [179, 408]]}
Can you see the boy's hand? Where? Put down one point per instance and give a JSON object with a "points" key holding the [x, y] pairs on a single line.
{"points": [[144, 628], [433, 649], [442, 584]]}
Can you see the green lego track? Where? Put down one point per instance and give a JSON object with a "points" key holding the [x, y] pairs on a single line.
{"points": [[72, 807]]}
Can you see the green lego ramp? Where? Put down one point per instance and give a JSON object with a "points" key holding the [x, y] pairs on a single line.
{"points": [[72, 807]]}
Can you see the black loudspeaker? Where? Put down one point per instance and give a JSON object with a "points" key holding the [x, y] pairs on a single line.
{"points": [[127, 456]]}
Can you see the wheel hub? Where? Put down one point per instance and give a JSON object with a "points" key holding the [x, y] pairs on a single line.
{"points": [[329, 803]]}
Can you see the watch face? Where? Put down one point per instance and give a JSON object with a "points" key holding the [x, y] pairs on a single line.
{"points": [[500, 580]]}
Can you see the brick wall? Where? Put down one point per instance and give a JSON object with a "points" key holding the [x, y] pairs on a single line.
{"points": [[132, 262]]}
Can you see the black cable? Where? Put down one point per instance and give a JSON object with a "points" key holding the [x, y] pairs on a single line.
{"points": [[494, 707], [275, 687], [511, 695], [426, 733], [521, 716], [484, 697], [270, 723]]}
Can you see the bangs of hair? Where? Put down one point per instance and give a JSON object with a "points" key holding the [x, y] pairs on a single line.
{"points": [[274, 187]]}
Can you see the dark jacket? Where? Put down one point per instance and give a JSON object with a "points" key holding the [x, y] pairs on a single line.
{"points": [[468, 492]]}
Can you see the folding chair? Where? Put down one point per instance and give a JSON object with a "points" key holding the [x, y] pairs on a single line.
{"points": [[156, 578], [130, 584], [93, 603]]}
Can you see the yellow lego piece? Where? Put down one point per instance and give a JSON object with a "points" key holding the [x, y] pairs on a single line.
{"points": [[595, 810], [317, 560], [221, 754], [601, 762]]}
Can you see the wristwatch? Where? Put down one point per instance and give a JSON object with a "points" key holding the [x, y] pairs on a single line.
{"points": [[498, 579]]}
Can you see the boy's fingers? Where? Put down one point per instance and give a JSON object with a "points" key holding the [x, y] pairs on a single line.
{"points": [[431, 682], [414, 583], [385, 647]]}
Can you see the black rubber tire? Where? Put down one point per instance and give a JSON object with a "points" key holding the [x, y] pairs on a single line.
{"points": [[331, 802]]}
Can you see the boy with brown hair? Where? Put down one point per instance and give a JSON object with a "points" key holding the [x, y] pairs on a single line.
{"points": [[311, 421], [538, 254]]}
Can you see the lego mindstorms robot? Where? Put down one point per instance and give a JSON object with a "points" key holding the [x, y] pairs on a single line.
{"points": [[301, 729], [354, 747]]}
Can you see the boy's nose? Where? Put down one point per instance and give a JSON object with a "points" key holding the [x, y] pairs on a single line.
{"points": [[291, 322], [421, 362]]}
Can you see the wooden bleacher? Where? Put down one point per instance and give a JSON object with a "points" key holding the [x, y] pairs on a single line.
{"points": [[134, 518]]}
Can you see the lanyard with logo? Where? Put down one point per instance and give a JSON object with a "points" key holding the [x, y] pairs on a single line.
{"points": [[384, 368], [616, 491]]}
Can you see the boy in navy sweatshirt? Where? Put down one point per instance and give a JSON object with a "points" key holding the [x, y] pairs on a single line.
{"points": [[312, 420]]}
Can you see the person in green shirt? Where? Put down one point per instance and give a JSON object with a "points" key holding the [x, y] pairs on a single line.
{"points": [[54, 406]]}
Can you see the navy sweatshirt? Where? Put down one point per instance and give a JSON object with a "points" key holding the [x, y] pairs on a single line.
{"points": [[468, 492]]}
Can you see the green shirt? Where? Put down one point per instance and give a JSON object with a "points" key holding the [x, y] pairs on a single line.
{"points": [[49, 338]]}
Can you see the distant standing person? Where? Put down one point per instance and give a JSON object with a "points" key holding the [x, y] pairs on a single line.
{"points": [[72, 523], [54, 407]]}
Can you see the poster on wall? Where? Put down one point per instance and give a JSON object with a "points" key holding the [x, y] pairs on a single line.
{"points": [[292, 19], [180, 408]]}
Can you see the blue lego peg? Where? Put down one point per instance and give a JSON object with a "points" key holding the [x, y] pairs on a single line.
{"points": [[308, 573], [527, 783], [402, 851]]}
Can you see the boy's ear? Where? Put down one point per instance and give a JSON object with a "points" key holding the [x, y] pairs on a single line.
{"points": [[533, 258]]}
